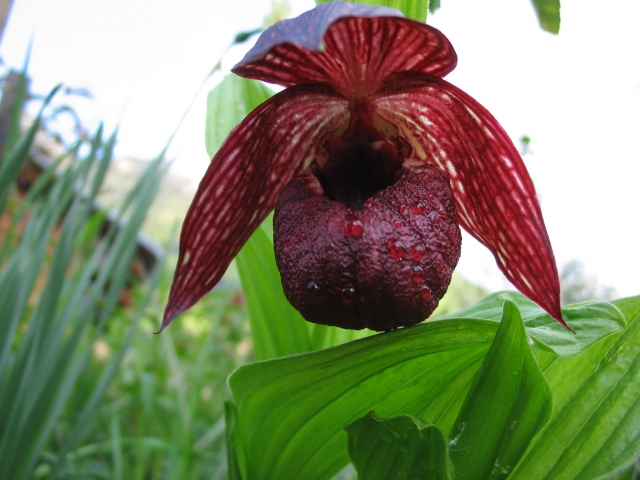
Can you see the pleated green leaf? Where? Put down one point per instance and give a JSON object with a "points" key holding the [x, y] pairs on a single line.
{"points": [[398, 448], [590, 320], [595, 426], [291, 411], [509, 402], [230, 420]]}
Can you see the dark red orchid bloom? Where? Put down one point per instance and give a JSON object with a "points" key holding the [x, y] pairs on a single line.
{"points": [[371, 160]]}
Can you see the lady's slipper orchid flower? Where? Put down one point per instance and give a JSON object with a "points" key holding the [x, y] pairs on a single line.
{"points": [[371, 160]]}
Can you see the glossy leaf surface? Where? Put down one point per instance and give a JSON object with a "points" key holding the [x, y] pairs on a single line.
{"points": [[230, 421], [291, 411], [398, 448], [509, 402], [594, 429], [591, 321]]}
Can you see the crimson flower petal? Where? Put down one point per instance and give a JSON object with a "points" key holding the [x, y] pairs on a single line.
{"points": [[266, 150], [353, 47], [495, 198]]}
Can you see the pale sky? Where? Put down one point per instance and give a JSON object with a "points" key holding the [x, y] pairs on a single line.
{"points": [[577, 95]]}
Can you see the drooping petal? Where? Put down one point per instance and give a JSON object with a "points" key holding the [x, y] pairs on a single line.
{"points": [[353, 47], [495, 198], [275, 142]]}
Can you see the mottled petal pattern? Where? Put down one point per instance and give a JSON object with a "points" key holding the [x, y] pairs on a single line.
{"points": [[495, 198], [355, 53], [268, 148]]}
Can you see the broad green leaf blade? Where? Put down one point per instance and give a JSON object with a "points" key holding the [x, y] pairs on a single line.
{"points": [[595, 427], [590, 320], [398, 448], [277, 328], [230, 420], [416, 9], [291, 411], [509, 402], [548, 12], [227, 105]]}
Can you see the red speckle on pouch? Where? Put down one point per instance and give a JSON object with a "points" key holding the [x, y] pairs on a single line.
{"points": [[417, 209], [417, 253]]}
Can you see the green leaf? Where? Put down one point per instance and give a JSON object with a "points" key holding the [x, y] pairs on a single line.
{"points": [[276, 327], [595, 426], [509, 402], [416, 9], [548, 12], [12, 161], [227, 105], [291, 411], [398, 448], [230, 420], [591, 321]]}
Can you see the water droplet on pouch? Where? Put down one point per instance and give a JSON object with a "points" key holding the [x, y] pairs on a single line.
{"points": [[352, 228], [302, 237], [397, 250], [328, 247], [349, 294], [402, 209], [425, 293], [313, 288], [289, 240], [397, 223], [431, 197], [418, 273]]}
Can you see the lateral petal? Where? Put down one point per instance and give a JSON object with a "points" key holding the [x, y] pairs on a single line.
{"points": [[495, 197], [268, 148], [353, 47]]}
